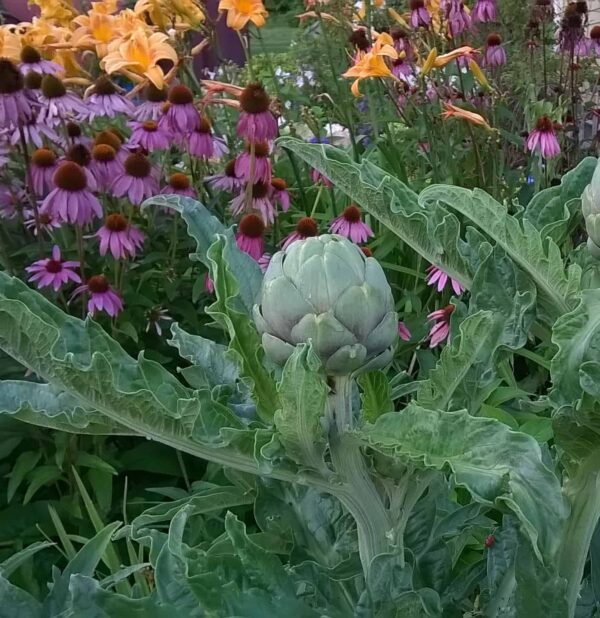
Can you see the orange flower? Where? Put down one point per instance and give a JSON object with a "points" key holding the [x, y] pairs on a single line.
{"points": [[10, 45], [96, 30], [459, 52], [240, 12], [58, 11], [164, 13], [373, 64], [138, 56], [471, 117]]}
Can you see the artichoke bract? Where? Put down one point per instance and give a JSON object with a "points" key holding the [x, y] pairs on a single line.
{"points": [[327, 291], [590, 207]]}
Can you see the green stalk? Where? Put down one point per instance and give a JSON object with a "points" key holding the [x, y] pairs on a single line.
{"points": [[583, 493]]}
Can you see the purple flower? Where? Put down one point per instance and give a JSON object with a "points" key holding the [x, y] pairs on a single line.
{"points": [[120, 237], [35, 133], [543, 139], [403, 332], [419, 15], [71, 201], [179, 184], [495, 55], [15, 105], [441, 325], [595, 40], [78, 153], [305, 228], [258, 201], [105, 166], [149, 136], [181, 115], [57, 103], [10, 197], [279, 193], [402, 69], [32, 61], [155, 316], [437, 277], [484, 11], [227, 180], [138, 181], [262, 164], [250, 236], [152, 107], [106, 102], [458, 19], [256, 122], [264, 262], [102, 296], [402, 43], [53, 271], [350, 225], [75, 136], [42, 168], [46, 221], [317, 177], [203, 143]]}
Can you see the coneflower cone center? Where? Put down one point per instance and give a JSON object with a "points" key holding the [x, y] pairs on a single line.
{"points": [[307, 226], [150, 125], [53, 266], [11, 80], [155, 95], [30, 55], [70, 177], [104, 153], [260, 190], [103, 86], [544, 124], [230, 169], [42, 157], [108, 137], [352, 214], [204, 126], [252, 226], [415, 5], [254, 99], [33, 80], [116, 222], [494, 39], [179, 181], [180, 95], [279, 184], [137, 165], [261, 149], [52, 87], [79, 154], [73, 129], [98, 284]]}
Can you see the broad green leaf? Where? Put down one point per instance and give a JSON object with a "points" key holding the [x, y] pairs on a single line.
{"points": [[40, 476], [244, 340], [303, 394], [209, 356], [16, 603], [432, 232], [376, 395], [501, 556], [48, 406], [539, 257], [204, 228], [17, 559], [499, 467]]}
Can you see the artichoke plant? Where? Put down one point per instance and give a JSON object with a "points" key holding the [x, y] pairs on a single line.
{"points": [[590, 207], [326, 290]]}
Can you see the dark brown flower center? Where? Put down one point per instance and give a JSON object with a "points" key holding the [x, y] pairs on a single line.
{"points": [[230, 169], [494, 39], [367, 251], [155, 95], [98, 284], [108, 137], [103, 153], [279, 184], [180, 95], [79, 154], [204, 126], [358, 39], [252, 226], [352, 214], [116, 222], [103, 86], [33, 80], [53, 266], [254, 99], [73, 129], [582, 7], [307, 227], [415, 5], [42, 157], [261, 149], [179, 181], [260, 190], [137, 165], [150, 125], [544, 124], [45, 218], [70, 177], [398, 33], [595, 33], [11, 79], [52, 87], [30, 55]]}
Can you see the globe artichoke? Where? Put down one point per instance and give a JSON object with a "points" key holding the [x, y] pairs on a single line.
{"points": [[327, 291], [590, 207]]}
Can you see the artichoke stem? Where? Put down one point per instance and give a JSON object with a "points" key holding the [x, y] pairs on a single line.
{"points": [[358, 492]]}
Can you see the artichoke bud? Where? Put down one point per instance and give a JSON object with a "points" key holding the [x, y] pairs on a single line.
{"points": [[590, 208], [324, 289]]}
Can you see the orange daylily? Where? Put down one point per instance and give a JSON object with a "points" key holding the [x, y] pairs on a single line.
{"points": [[59, 11], [138, 57], [452, 111], [96, 30], [240, 12], [459, 52], [163, 13], [10, 44], [372, 63]]}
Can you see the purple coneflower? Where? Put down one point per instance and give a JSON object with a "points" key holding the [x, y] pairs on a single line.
{"points": [[495, 55], [441, 325], [105, 101], [401, 68], [34, 132], [179, 184], [46, 222], [32, 61], [71, 201], [262, 163], [458, 19], [484, 11], [42, 168], [403, 332], [264, 261], [155, 317], [259, 201], [53, 271], [57, 103], [181, 115], [305, 228], [152, 107], [81, 155], [419, 15], [149, 136], [317, 177], [595, 40], [10, 198], [250, 236], [280, 193], [15, 105], [75, 136], [350, 225], [227, 180], [118, 236], [113, 138], [33, 86], [102, 296], [105, 166], [437, 277], [138, 181], [402, 43], [570, 32], [543, 139], [203, 143], [256, 123]]}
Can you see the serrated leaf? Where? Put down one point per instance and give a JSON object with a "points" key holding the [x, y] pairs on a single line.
{"points": [[376, 395], [497, 466], [303, 395]]}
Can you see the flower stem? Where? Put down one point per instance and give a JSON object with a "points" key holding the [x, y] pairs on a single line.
{"points": [[30, 191]]}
